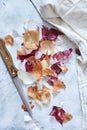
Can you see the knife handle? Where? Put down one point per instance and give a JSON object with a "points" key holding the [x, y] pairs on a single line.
{"points": [[7, 59]]}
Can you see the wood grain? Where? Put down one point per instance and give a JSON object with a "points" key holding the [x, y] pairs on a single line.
{"points": [[7, 59]]}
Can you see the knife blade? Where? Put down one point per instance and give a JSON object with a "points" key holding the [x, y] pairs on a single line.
{"points": [[13, 72]]}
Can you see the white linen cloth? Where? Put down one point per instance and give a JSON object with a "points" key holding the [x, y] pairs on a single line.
{"points": [[70, 16]]}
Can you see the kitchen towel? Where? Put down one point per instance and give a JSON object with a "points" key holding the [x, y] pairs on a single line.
{"points": [[70, 17]]}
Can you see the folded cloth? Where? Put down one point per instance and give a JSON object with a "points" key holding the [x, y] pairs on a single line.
{"points": [[70, 17]]}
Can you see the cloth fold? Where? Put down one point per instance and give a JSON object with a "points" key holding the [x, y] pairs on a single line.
{"points": [[67, 23], [70, 17]]}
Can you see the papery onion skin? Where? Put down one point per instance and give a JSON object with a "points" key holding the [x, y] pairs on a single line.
{"points": [[58, 113], [50, 34], [78, 52], [28, 66], [55, 67], [63, 56], [22, 57]]}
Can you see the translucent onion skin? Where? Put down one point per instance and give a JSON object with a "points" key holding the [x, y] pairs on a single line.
{"points": [[62, 56], [50, 34], [58, 113], [22, 57]]}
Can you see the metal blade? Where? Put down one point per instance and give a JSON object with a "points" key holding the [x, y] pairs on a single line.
{"points": [[18, 85]]}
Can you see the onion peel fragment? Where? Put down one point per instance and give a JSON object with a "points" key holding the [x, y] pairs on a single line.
{"points": [[37, 67], [23, 106], [50, 34], [47, 46], [9, 40], [67, 117], [22, 51], [42, 95], [62, 56], [60, 115], [49, 72], [31, 39], [56, 84]]}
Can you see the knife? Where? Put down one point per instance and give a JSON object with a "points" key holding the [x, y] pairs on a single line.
{"points": [[13, 73]]}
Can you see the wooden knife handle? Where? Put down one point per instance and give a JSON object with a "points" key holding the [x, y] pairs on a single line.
{"points": [[7, 59]]}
